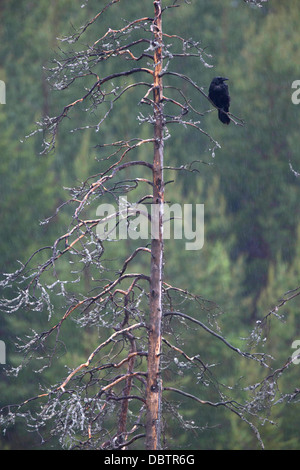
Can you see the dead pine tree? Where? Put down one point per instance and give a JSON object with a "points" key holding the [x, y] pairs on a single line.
{"points": [[87, 63], [116, 398], [154, 383]]}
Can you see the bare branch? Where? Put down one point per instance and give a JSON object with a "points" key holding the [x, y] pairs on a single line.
{"points": [[257, 357]]}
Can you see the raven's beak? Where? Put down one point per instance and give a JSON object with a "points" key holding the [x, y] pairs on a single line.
{"points": [[225, 79]]}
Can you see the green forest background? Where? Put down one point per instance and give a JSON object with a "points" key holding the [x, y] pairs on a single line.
{"points": [[251, 252]]}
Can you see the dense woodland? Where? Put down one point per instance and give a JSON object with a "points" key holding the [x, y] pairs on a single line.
{"points": [[249, 187]]}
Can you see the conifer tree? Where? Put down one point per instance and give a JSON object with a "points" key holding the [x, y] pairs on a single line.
{"points": [[117, 397]]}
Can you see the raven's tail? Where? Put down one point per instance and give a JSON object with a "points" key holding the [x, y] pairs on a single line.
{"points": [[223, 117]]}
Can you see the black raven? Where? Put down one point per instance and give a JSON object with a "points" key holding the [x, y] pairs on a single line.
{"points": [[219, 95]]}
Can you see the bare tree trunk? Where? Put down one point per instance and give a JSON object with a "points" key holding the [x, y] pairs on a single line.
{"points": [[154, 384]]}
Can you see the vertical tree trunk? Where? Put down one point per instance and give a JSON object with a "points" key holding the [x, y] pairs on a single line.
{"points": [[154, 384]]}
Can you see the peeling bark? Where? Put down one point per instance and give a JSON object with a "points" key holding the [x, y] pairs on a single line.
{"points": [[154, 383]]}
